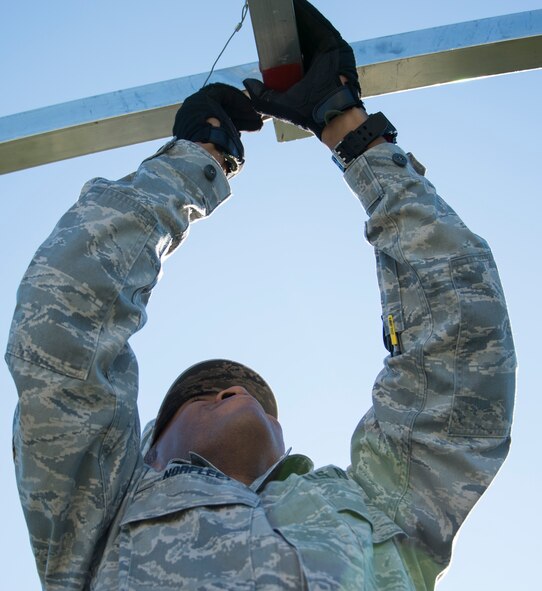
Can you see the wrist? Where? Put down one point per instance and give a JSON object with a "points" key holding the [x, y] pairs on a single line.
{"points": [[376, 129], [339, 127], [215, 153]]}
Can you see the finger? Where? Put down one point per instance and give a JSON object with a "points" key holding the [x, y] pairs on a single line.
{"points": [[316, 33], [347, 67], [254, 87], [238, 106], [265, 100]]}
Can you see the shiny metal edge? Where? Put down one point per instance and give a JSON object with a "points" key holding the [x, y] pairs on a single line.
{"points": [[395, 63]]}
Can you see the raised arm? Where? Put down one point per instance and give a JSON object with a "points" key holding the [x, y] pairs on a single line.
{"points": [[439, 428], [76, 436]]}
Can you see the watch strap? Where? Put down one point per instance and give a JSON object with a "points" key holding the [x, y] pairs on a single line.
{"points": [[356, 142]]}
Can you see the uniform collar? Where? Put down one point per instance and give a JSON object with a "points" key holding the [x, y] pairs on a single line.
{"points": [[286, 465]]}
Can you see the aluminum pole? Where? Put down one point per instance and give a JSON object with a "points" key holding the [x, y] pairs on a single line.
{"points": [[418, 59]]}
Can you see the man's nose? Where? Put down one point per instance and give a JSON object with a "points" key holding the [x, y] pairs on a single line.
{"points": [[232, 391]]}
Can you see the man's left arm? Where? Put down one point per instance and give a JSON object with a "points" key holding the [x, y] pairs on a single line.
{"points": [[439, 427]]}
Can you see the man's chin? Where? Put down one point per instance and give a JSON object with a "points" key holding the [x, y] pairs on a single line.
{"points": [[247, 432]]}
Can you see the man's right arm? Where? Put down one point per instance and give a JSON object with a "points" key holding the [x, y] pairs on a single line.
{"points": [[76, 429]]}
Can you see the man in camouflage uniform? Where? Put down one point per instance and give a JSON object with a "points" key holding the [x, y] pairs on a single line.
{"points": [[208, 498]]}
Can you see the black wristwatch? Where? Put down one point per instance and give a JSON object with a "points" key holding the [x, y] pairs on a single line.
{"points": [[356, 142]]}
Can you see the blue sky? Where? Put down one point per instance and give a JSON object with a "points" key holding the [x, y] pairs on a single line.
{"points": [[280, 277]]}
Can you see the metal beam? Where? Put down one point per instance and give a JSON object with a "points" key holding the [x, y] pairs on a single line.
{"points": [[417, 59]]}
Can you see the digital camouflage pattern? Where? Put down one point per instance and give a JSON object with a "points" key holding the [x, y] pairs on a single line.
{"points": [[437, 432]]}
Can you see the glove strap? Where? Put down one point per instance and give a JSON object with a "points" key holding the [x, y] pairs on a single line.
{"points": [[335, 103], [220, 138]]}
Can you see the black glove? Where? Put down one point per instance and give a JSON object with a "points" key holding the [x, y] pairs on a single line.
{"points": [[235, 113], [320, 95]]}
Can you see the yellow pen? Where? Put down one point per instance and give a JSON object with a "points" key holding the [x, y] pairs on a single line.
{"points": [[393, 334]]}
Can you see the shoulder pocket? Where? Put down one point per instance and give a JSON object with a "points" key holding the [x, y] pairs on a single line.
{"points": [[75, 280], [485, 362]]}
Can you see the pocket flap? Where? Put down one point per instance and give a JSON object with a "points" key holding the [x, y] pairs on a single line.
{"points": [[188, 488], [383, 527]]}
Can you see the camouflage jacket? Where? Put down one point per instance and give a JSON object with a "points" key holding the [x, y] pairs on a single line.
{"points": [[437, 432]]}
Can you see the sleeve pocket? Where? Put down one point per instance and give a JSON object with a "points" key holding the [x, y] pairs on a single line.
{"points": [[390, 295], [485, 361], [48, 330], [75, 279]]}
